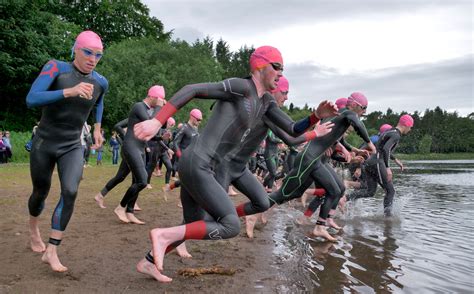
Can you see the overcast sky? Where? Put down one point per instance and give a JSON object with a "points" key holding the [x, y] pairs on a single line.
{"points": [[404, 54]]}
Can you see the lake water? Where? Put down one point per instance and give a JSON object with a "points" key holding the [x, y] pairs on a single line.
{"points": [[426, 247]]}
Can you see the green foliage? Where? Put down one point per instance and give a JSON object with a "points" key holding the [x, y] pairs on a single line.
{"points": [[133, 66], [424, 146], [18, 141], [29, 38], [114, 21]]}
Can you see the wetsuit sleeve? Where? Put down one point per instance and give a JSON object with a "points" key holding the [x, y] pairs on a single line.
{"points": [[283, 121], [388, 147], [120, 126], [359, 127], [228, 90], [272, 138], [39, 94], [287, 139], [99, 105]]}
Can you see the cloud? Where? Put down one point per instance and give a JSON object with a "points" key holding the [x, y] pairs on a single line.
{"points": [[447, 84], [187, 34]]}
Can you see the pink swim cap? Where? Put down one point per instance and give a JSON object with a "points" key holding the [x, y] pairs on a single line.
{"points": [[88, 39], [170, 122], [264, 55], [157, 92], [283, 85], [406, 120], [384, 128], [358, 98], [196, 113], [341, 103]]}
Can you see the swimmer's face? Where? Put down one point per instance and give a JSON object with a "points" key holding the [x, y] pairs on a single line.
{"points": [[280, 97], [86, 59], [271, 74]]}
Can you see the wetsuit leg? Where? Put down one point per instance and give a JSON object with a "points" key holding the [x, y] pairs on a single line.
{"points": [[250, 187], [370, 176], [198, 183], [325, 179], [70, 172], [169, 168], [270, 178], [122, 173], [340, 184], [136, 163], [41, 168], [387, 186], [154, 156]]}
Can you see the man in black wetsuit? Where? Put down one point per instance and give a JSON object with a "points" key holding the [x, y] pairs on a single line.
{"points": [[67, 92], [241, 105], [377, 169], [309, 168], [133, 153]]}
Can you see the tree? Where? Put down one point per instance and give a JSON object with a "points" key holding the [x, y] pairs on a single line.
{"points": [[114, 21], [29, 38], [424, 147]]}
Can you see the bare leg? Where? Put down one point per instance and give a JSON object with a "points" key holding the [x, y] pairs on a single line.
{"points": [[36, 243], [136, 207], [231, 191], [342, 203], [166, 189], [50, 256], [148, 268], [100, 200], [250, 221], [133, 219], [182, 251], [149, 186], [161, 239], [120, 212]]}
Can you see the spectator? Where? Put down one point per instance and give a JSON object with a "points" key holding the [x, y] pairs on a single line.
{"points": [[114, 143]]}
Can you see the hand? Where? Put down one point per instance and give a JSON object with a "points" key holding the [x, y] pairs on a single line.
{"points": [[147, 149], [400, 164], [83, 90], [347, 155], [389, 174], [357, 159], [328, 152], [323, 129], [170, 153], [147, 129], [357, 172], [98, 139], [372, 148], [326, 109]]}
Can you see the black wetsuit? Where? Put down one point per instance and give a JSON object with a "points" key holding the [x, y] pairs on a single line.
{"points": [[375, 169], [309, 168], [57, 139], [207, 209], [271, 159]]}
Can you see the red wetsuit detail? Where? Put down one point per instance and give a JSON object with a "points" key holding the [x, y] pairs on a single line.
{"points": [[166, 112], [240, 210], [195, 230], [319, 192]]}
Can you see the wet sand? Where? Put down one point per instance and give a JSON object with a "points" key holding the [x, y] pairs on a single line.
{"points": [[101, 253]]}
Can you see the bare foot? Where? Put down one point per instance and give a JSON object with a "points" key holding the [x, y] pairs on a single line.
{"points": [[331, 223], [100, 200], [37, 245], [136, 207], [159, 244], [320, 231], [133, 219], [342, 204], [148, 268], [51, 256], [250, 221], [180, 205], [120, 212], [182, 251], [231, 191], [264, 217], [303, 220], [149, 186], [166, 189]]}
